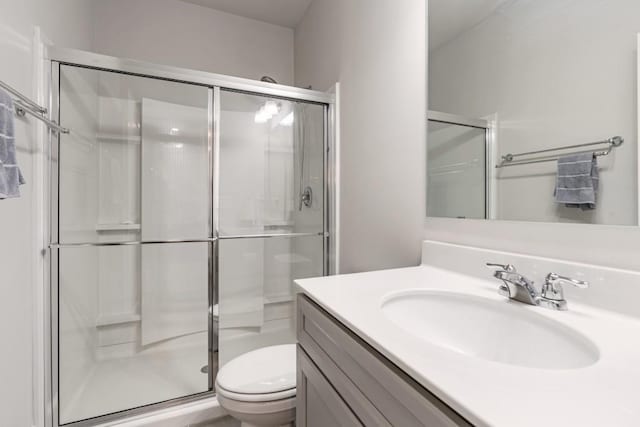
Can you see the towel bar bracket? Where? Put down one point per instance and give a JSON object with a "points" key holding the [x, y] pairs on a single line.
{"points": [[616, 141], [20, 112], [22, 106]]}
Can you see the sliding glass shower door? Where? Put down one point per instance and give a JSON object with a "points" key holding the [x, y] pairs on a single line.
{"points": [[133, 223], [181, 214], [271, 215]]}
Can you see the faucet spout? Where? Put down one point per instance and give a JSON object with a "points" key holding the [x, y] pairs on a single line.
{"points": [[516, 286], [520, 288]]}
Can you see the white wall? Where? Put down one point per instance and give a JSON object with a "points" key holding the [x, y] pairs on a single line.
{"points": [[66, 23], [556, 73], [376, 49], [176, 33]]}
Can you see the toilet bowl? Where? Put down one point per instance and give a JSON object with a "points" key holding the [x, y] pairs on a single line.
{"points": [[259, 387]]}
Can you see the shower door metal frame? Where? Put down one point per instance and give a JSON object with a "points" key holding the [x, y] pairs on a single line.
{"points": [[56, 57]]}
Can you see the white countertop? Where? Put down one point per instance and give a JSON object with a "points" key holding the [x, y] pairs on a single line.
{"points": [[487, 393]]}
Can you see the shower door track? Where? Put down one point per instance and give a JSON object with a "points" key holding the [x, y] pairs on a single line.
{"points": [[214, 82]]}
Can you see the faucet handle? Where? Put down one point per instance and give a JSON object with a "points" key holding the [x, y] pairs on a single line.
{"points": [[500, 271], [504, 267], [555, 281], [552, 294]]}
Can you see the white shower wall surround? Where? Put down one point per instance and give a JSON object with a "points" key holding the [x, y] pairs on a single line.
{"points": [[175, 165]]}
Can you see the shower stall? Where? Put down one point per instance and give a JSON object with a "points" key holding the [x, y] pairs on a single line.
{"points": [[183, 204]]}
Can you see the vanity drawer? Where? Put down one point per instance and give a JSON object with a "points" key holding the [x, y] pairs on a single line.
{"points": [[376, 390]]}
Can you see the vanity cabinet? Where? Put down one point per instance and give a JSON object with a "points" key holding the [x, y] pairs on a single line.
{"points": [[343, 381]]}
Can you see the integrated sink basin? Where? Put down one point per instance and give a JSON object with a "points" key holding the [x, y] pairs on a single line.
{"points": [[497, 331]]}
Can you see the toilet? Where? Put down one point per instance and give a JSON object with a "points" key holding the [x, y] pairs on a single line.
{"points": [[259, 387]]}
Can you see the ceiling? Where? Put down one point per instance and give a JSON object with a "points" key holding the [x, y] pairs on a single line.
{"points": [[450, 18], [286, 13]]}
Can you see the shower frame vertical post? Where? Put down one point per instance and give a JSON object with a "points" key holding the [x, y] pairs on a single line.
{"points": [[214, 170], [52, 226]]}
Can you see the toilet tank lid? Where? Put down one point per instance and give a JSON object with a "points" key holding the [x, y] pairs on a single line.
{"points": [[262, 371]]}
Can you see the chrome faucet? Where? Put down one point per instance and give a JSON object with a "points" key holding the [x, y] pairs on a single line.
{"points": [[517, 287]]}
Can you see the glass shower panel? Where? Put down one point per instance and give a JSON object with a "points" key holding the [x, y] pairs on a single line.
{"points": [[135, 166], [133, 326], [256, 299], [271, 165], [133, 319], [456, 170]]}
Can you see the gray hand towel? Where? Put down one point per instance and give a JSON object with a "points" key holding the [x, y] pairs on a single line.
{"points": [[10, 176], [577, 181]]}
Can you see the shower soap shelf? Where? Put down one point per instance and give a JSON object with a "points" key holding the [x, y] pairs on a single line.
{"points": [[117, 227], [118, 319]]}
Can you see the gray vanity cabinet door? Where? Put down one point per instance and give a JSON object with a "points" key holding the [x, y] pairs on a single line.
{"points": [[318, 404], [376, 391]]}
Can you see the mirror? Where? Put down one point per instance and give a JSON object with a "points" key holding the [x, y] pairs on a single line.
{"points": [[533, 110]]}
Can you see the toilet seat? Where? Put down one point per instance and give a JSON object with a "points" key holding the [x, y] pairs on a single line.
{"points": [[267, 397], [264, 375], [257, 407]]}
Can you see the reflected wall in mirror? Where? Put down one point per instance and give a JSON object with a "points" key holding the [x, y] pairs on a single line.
{"points": [[516, 87]]}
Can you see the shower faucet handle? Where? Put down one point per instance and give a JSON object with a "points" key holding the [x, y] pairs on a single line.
{"points": [[306, 198]]}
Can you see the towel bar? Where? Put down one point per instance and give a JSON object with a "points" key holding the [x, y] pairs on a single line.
{"points": [[510, 159], [24, 105]]}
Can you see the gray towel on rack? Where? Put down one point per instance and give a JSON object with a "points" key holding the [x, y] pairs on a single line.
{"points": [[10, 176], [577, 181]]}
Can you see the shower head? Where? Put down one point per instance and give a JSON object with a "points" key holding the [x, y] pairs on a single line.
{"points": [[268, 79]]}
